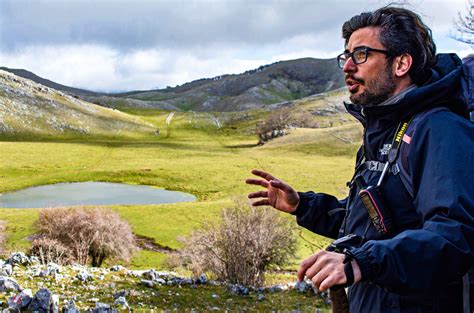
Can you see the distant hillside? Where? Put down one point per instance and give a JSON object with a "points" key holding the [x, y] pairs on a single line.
{"points": [[269, 84], [45, 82], [29, 108]]}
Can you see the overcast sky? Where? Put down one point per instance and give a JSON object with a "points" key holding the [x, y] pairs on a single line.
{"points": [[119, 45]]}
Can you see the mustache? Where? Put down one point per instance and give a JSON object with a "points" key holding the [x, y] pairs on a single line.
{"points": [[359, 80]]}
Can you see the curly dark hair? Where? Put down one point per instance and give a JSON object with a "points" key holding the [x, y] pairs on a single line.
{"points": [[402, 31]]}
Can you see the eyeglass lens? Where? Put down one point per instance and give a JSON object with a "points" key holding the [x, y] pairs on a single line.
{"points": [[358, 56]]}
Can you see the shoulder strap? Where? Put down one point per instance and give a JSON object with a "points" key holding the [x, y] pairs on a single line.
{"points": [[402, 161]]}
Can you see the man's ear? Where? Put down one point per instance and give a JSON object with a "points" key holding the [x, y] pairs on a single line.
{"points": [[402, 64]]}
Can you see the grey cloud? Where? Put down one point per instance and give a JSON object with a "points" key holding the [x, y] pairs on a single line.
{"points": [[185, 24], [122, 45]]}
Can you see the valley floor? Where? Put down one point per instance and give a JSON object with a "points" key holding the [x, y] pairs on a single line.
{"points": [[199, 159]]}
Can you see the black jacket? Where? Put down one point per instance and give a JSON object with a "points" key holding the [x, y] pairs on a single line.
{"points": [[419, 266]]}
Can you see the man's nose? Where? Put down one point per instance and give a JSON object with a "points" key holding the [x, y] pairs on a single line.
{"points": [[349, 66]]}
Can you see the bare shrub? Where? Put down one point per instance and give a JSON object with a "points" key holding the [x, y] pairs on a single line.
{"points": [[89, 234], [465, 25], [239, 247], [278, 121], [51, 250]]}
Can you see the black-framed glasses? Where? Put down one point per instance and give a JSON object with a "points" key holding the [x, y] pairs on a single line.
{"points": [[358, 56]]}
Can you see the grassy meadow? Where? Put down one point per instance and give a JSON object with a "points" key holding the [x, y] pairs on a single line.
{"points": [[190, 155]]}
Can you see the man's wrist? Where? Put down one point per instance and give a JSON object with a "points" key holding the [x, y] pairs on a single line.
{"points": [[297, 205], [356, 271]]}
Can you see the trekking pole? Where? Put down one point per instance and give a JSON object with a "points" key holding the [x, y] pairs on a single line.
{"points": [[339, 301]]}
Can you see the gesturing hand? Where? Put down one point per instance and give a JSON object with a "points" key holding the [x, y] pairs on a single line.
{"points": [[279, 194]]}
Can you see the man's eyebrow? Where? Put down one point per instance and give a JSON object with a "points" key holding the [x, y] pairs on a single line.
{"points": [[359, 47]]}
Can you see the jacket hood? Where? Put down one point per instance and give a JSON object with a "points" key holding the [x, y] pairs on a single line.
{"points": [[442, 89]]}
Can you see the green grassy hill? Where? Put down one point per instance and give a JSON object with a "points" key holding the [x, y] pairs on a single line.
{"points": [[31, 110]]}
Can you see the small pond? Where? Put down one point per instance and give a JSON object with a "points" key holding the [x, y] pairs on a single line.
{"points": [[90, 193]]}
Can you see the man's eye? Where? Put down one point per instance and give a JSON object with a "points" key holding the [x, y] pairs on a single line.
{"points": [[359, 55]]}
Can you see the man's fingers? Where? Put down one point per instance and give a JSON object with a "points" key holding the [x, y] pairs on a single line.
{"points": [[319, 277], [305, 265], [261, 202], [258, 194], [331, 280], [326, 284], [281, 185], [257, 182], [263, 174], [316, 267]]}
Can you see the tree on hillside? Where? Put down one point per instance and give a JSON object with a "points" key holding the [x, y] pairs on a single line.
{"points": [[465, 24], [279, 120]]}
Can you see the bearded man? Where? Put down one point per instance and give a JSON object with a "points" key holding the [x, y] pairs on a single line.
{"points": [[410, 206]]}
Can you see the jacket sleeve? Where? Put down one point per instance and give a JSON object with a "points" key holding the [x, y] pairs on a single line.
{"points": [[320, 213], [441, 159]]}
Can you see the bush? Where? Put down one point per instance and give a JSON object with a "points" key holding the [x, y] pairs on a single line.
{"points": [[88, 235], [51, 250], [241, 245], [279, 120]]}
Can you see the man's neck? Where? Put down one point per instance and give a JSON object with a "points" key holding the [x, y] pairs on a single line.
{"points": [[402, 86], [398, 96]]}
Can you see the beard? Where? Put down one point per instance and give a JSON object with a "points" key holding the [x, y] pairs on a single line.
{"points": [[377, 89]]}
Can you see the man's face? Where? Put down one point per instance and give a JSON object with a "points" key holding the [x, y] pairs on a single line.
{"points": [[372, 82]]}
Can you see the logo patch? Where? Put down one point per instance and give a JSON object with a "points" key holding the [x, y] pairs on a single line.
{"points": [[386, 148]]}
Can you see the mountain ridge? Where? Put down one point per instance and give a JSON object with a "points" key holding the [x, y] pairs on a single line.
{"points": [[257, 88]]}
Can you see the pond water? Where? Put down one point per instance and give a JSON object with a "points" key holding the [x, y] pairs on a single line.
{"points": [[90, 193]]}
